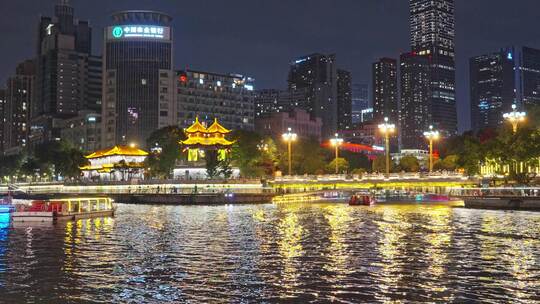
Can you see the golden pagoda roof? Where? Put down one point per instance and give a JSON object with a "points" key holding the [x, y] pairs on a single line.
{"points": [[117, 150], [196, 127], [207, 141], [217, 128]]}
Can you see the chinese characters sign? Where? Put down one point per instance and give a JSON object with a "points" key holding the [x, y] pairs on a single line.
{"points": [[138, 31]]}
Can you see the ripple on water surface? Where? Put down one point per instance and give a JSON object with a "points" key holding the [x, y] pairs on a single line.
{"points": [[276, 253]]}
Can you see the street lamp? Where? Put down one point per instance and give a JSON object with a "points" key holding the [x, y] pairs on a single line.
{"points": [[289, 137], [515, 117], [431, 135], [336, 142], [387, 129], [262, 146]]}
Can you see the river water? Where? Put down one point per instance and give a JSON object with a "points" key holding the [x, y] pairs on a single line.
{"points": [[294, 253]]}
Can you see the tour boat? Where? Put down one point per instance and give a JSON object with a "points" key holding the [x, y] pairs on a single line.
{"points": [[63, 209], [6, 204], [362, 199]]}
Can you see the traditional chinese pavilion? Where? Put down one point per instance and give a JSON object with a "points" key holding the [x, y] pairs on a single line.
{"points": [[200, 139], [115, 164]]}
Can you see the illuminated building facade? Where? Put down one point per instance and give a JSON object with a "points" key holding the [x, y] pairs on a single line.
{"points": [[119, 163], [18, 99], [527, 67], [312, 83], [200, 138], [432, 24], [228, 97], [360, 102], [363, 134], [344, 99], [68, 76], [385, 90], [492, 84], [268, 101], [415, 107], [82, 131], [138, 80], [499, 79]]}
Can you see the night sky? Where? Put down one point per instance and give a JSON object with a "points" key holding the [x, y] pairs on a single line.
{"points": [[259, 38]]}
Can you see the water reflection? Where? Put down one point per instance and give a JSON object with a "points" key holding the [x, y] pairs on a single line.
{"points": [[4, 231], [273, 253]]}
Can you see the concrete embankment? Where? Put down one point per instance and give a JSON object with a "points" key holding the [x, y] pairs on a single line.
{"points": [[504, 203]]}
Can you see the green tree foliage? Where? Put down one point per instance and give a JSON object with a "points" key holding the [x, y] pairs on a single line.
{"points": [[379, 164], [449, 163], [225, 168], [165, 151], [253, 154], [212, 163], [409, 163], [308, 157], [343, 166], [10, 165], [356, 160], [502, 147], [59, 155]]}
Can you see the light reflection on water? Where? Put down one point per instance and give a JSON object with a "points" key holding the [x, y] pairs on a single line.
{"points": [[274, 253]]}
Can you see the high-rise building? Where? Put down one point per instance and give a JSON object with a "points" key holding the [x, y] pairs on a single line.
{"points": [[492, 84], [68, 77], [527, 67], [18, 100], [268, 101], [138, 77], [2, 118], [432, 25], [303, 124], [415, 111], [64, 23], [94, 86], [227, 97], [360, 101], [82, 131], [385, 90], [313, 87], [344, 99]]}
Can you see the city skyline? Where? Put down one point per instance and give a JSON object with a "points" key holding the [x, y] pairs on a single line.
{"points": [[254, 48]]}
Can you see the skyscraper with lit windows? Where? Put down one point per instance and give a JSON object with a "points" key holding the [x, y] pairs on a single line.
{"points": [[432, 25], [138, 78], [313, 87], [492, 86], [385, 90], [415, 107]]}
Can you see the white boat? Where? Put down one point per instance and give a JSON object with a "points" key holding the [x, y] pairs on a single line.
{"points": [[62, 209]]}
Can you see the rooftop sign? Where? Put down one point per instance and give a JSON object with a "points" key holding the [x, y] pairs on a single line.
{"points": [[138, 32]]}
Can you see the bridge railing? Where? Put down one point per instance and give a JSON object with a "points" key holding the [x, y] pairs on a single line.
{"points": [[370, 176]]}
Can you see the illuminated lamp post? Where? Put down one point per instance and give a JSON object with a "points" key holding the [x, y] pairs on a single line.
{"points": [[262, 146], [289, 137], [515, 117], [387, 129], [336, 142], [431, 135]]}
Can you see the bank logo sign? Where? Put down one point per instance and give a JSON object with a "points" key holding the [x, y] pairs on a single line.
{"points": [[139, 31]]}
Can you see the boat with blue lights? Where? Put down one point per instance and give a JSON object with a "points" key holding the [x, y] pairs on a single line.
{"points": [[6, 204]]}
